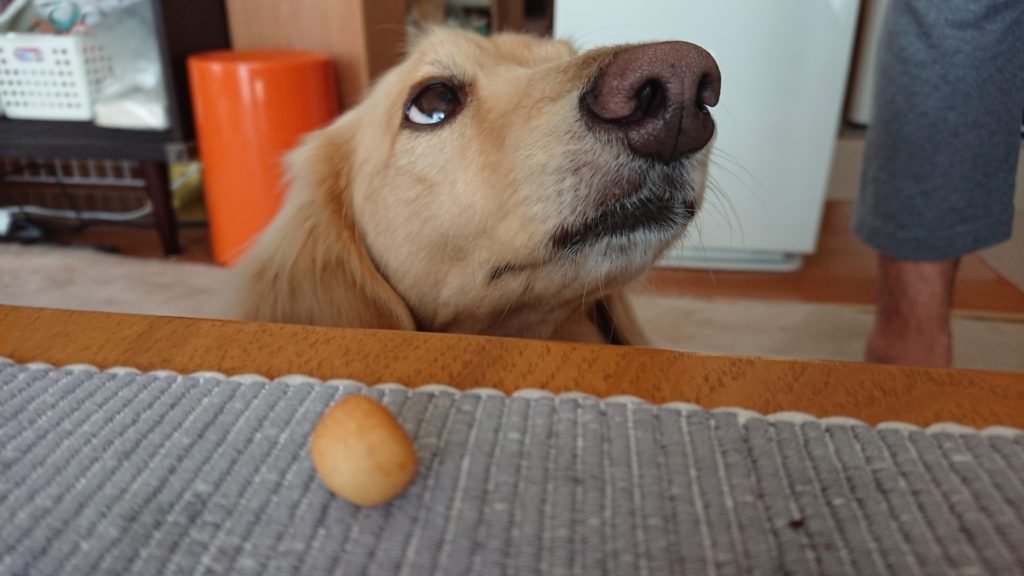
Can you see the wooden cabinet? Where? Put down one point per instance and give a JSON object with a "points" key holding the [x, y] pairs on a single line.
{"points": [[363, 37]]}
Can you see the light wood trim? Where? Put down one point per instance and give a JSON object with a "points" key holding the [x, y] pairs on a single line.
{"points": [[868, 392]]}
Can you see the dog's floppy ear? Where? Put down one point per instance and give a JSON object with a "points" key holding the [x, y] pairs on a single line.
{"points": [[310, 265]]}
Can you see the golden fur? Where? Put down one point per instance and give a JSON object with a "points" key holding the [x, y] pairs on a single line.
{"points": [[449, 229]]}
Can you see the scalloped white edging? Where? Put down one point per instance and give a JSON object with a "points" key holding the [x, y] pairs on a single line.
{"points": [[743, 414]]}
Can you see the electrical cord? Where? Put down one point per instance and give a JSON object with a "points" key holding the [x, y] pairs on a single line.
{"points": [[82, 218], [81, 215]]}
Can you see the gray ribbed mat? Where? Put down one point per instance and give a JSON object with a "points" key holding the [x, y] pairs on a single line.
{"points": [[119, 472]]}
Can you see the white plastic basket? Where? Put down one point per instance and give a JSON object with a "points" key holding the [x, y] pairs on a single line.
{"points": [[49, 77]]}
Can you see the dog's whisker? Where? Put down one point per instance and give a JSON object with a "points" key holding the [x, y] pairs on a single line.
{"points": [[711, 202], [508, 307], [721, 156], [583, 298], [704, 252], [748, 182], [722, 205]]}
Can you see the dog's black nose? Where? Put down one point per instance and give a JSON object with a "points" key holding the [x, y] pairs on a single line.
{"points": [[657, 96]]}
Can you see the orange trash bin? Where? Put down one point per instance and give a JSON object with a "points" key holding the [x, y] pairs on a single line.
{"points": [[251, 108]]}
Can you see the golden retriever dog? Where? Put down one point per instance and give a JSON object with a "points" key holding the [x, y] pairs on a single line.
{"points": [[504, 186]]}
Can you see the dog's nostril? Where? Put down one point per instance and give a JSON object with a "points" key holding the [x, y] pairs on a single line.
{"points": [[707, 91], [650, 100]]}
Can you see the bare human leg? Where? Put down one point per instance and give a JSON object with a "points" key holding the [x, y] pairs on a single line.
{"points": [[912, 318]]}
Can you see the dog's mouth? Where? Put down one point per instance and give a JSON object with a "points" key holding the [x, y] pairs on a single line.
{"points": [[658, 209]]}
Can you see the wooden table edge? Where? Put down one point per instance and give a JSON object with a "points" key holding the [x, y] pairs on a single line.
{"points": [[871, 393]]}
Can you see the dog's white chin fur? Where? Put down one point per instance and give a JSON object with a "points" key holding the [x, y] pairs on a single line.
{"points": [[616, 259]]}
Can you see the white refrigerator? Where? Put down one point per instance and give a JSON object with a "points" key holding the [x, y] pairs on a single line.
{"points": [[784, 68]]}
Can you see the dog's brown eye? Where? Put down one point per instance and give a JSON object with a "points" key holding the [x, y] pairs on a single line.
{"points": [[433, 104]]}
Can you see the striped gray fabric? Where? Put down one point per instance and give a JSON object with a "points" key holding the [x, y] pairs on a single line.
{"points": [[119, 472]]}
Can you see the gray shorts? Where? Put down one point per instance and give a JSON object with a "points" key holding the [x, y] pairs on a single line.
{"points": [[944, 140]]}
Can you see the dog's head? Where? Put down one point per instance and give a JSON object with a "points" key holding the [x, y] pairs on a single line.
{"points": [[496, 183]]}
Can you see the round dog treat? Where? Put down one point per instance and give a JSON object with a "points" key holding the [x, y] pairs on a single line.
{"points": [[362, 453]]}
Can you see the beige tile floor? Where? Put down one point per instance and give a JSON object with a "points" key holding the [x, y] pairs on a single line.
{"points": [[812, 331]]}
